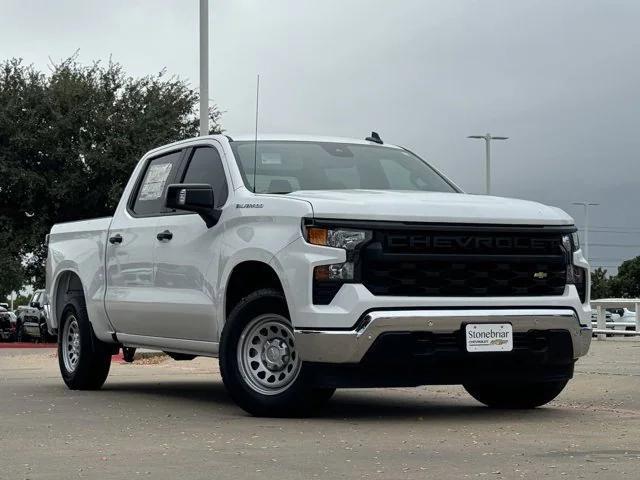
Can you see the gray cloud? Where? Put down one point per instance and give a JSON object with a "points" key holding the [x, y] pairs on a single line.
{"points": [[560, 78]]}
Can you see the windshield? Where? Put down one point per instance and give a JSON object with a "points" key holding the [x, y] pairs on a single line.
{"points": [[287, 166]]}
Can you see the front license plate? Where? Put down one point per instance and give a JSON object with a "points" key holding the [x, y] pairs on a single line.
{"points": [[489, 337]]}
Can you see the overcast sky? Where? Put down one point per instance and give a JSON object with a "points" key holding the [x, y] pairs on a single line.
{"points": [[560, 78]]}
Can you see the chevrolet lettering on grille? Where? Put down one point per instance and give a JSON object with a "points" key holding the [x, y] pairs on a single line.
{"points": [[469, 242]]}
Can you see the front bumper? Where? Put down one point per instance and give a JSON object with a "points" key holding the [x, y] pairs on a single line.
{"points": [[351, 346]]}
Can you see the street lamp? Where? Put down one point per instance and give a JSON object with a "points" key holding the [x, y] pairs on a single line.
{"points": [[487, 138], [585, 243], [204, 67]]}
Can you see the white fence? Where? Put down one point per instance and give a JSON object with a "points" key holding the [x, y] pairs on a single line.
{"points": [[604, 328]]}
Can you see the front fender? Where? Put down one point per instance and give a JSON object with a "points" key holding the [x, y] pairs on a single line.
{"points": [[256, 233], [251, 254]]}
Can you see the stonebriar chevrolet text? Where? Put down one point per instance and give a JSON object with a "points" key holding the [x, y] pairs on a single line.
{"points": [[309, 264]]}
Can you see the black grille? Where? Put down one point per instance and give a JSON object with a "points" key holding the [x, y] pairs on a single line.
{"points": [[400, 359], [401, 346], [464, 263]]}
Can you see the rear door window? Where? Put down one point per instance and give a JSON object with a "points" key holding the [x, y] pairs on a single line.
{"points": [[151, 192]]}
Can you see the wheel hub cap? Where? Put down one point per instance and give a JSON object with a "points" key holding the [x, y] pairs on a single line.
{"points": [[267, 356], [71, 344], [275, 354]]}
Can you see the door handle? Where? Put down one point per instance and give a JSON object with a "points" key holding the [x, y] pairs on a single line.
{"points": [[115, 239], [166, 235]]}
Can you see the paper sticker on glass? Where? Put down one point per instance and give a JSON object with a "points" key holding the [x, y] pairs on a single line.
{"points": [[155, 181]]}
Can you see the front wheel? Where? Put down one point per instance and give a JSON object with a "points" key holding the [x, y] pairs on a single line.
{"points": [[84, 360], [259, 362], [516, 395]]}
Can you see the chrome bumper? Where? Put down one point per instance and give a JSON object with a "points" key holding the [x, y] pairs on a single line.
{"points": [[350, 346]]}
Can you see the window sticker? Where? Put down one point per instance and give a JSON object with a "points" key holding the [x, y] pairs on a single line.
{"points": [[154, 182], [271, 158]]}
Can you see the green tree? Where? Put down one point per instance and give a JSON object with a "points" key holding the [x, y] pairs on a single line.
{"points": [[69, 140], [599, 284], [11, 271], [626, 284], [20, 300]]}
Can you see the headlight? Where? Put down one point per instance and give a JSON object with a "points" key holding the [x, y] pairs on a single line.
{"points": [[575, 275], [571, 242], [338, 238], [337, 271], [327, 279], [576, 241]]}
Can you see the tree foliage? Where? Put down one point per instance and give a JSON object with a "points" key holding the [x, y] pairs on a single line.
{"points": [[69, 140], [626, 284], [599, 284]]}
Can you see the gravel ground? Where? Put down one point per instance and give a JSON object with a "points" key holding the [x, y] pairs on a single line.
{"points": [[167, 419]]}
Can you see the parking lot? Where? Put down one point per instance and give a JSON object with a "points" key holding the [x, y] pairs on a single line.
{"points": [[165, 419]]}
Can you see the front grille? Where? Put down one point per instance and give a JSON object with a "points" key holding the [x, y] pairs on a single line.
{"points": [[471, 263], [401, 347]]}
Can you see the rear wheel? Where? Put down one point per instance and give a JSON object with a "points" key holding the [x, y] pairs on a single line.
{"points": [[259, 362], [84, 360], [516, 396]]}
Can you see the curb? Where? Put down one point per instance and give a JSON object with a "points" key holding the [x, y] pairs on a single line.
{"points": [[27, 345]]}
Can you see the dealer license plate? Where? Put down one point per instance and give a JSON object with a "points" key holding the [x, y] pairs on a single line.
{"points": [[489, 337]]}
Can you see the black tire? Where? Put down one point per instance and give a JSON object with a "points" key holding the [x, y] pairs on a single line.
{"points": [[94, 361], [299, 398], [516, 395], [320, 396], [43, 335], [128, 354]]}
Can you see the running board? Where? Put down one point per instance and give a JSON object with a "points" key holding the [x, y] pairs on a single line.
{"points": [[178, 345]]}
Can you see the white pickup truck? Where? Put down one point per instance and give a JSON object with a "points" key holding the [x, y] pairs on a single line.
{"points": [[309, 264]]}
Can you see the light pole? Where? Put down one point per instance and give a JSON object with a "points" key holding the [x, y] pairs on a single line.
{"points": [[204, 67], [487, 139], [585, 243]]}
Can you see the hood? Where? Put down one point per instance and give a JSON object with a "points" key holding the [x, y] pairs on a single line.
{"points": [[432, 207]]}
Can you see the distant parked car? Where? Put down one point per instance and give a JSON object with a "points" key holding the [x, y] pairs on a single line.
{"points": [[32, 320], [624, 315], [617, 315], [594, 315], [7, 325]]}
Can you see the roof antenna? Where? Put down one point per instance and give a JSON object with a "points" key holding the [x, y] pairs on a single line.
{"points": [[255, 143], [374, 138]]}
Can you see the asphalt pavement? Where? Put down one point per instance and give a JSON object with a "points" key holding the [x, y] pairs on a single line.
{"points": [[162, 419]]}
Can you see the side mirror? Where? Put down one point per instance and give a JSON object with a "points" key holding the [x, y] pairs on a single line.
{"points": [[35, 305], [194, 197]]}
